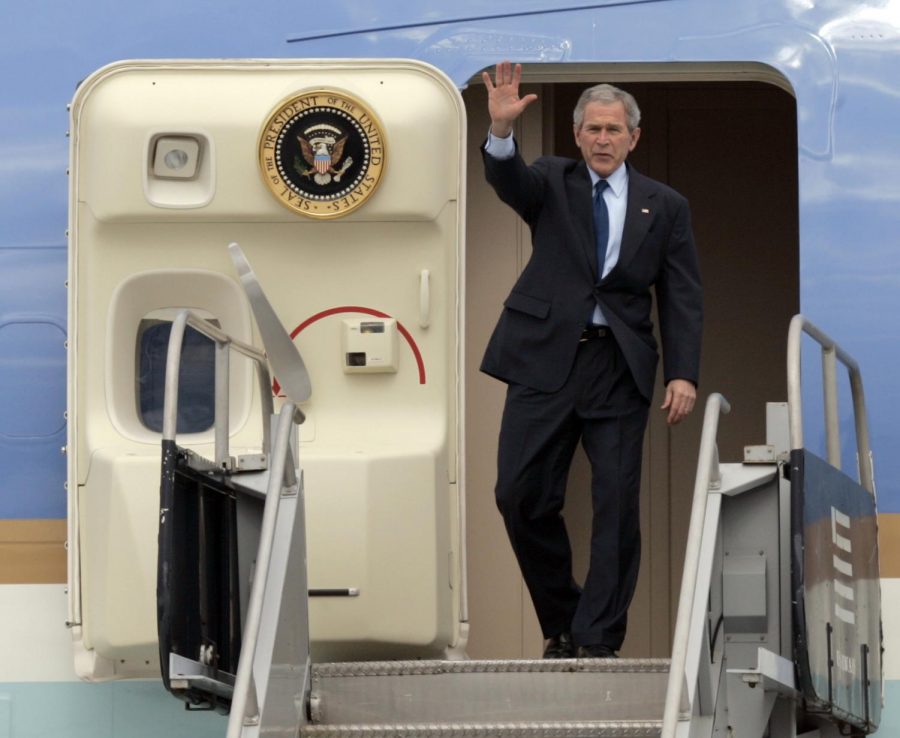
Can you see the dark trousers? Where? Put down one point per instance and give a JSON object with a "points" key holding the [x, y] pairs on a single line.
{"points": [[601, 406]]}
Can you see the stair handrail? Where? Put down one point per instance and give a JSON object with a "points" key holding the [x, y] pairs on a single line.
{"points": [[245, 702], [831, 353], [224, 343], [708, 477]]}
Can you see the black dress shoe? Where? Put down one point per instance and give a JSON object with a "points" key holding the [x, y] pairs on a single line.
{"points": [[596, 651], [559, 647]]}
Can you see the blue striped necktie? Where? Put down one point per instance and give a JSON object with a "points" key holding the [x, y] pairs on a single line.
{"points": [[601, 225]]}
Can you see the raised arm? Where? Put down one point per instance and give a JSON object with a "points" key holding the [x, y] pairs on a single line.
{"points": [[504, 103]]}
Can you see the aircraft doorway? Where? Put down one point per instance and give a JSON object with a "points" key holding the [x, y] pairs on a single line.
{"points": [[731, 148]]}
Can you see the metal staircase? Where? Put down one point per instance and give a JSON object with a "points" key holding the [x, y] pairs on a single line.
{"points": [[594, 697], [738, 631]]}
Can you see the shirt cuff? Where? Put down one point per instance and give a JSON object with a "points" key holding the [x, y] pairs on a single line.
{"points": [[500, 148]]}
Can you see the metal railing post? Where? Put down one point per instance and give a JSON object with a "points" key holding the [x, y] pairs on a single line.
{"points": [[830, 397], [245, 701], [221, 407], [708, 477], [831, 354], [173, 365]]}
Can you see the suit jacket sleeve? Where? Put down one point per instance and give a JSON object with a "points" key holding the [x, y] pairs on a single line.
{"points": [[518, 185], [680, 301]]}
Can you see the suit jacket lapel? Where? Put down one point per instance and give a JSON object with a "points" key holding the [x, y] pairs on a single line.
{"points": [[639, 216], [578, 185]]}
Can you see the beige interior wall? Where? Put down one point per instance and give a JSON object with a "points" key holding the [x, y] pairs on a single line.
{"points": [[503, 623], [731, 149]]}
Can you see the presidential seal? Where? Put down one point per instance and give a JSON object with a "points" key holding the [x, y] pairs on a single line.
{"points": [[322, 153]]}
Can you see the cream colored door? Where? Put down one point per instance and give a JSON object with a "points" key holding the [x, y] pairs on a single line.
{"points": [[328, 175]]}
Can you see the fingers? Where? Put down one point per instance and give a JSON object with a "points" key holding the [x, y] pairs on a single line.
{"points": [[516, 75], [679, 401], [505, 73]]}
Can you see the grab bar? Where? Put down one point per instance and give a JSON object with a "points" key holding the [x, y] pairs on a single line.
{"points": [[224, 343], [831, 353]]}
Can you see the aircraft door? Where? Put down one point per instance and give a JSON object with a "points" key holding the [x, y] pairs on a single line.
{"points": [[342, 181]]}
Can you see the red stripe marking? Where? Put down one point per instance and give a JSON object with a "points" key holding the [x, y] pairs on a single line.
{"points": [[366, 311]]}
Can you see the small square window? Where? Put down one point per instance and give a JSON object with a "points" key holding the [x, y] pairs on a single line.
{"points": [[196, 378]]}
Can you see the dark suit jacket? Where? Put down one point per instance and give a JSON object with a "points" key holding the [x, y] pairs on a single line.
{"points": [[535, 340]]}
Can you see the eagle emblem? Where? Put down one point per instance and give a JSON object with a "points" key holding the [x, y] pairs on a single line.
{"points": [[322, 147], [322, 153]]}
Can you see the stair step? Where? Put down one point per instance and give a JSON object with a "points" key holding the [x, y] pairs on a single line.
{"points": [[529, 695], [589, 729]]}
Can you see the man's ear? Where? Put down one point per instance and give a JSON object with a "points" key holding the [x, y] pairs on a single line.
{"points": [[635, 135]]}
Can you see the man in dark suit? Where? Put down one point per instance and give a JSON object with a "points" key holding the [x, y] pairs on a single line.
{"points": [[575, 346]]}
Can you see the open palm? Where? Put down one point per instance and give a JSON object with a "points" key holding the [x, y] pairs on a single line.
{"points": [[504, 103]]}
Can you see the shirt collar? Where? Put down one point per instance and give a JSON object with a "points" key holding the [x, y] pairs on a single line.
{"points": [[618, 180]]}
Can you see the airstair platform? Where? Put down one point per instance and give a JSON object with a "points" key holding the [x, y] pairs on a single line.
{"points": [[778, 627], [554, 697]]}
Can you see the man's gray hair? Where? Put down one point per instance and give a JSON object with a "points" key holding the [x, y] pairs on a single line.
{"points": [[607, 94]]}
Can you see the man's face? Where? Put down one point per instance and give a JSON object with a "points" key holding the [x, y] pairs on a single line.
{"points": [[604, 138]]}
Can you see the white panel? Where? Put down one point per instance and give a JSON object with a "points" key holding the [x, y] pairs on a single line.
{"points": [[35, 643], [141, 104], [890, 606]]}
